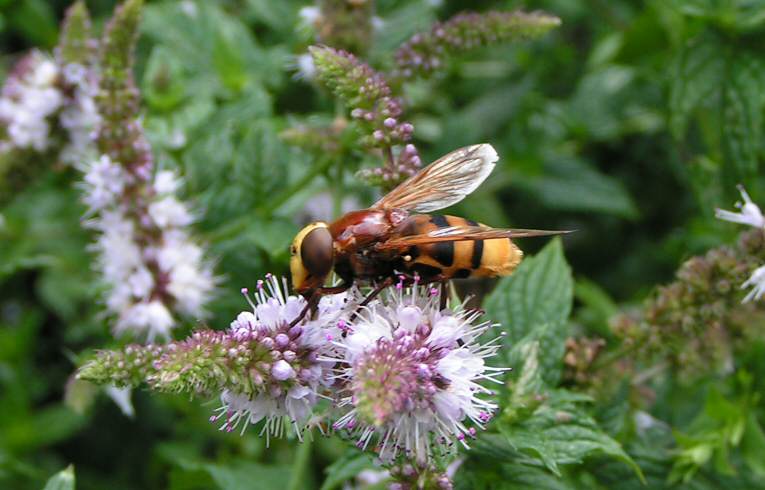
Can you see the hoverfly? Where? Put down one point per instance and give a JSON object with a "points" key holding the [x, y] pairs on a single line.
{"points": [[394, 238]]}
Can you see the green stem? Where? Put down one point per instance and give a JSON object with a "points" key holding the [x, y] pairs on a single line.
{"points": [[302, 459]]}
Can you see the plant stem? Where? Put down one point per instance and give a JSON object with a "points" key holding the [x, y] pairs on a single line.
{"points": [[301, 462]]}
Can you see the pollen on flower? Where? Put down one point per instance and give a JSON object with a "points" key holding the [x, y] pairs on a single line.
{"points": [[411, 375]]}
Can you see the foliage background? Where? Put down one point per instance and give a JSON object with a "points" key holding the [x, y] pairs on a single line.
{"points": [[630, 123]]}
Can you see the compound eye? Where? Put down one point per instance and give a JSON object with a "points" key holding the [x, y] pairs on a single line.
{"points": [[316, 252]]}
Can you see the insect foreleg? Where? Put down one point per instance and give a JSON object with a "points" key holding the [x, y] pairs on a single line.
{"points": [[387, 282], [313, 300]]}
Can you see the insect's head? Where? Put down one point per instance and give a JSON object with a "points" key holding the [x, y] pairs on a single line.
{"points": [[312, 257]]}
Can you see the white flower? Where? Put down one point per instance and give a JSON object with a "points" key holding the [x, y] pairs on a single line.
{"points": [[151, 318], [757, 282], [309, 15], [29, 98], [121, 397], [170, 212], [306, 69], [104, 182], [411, 374], [80, 116], [166, 182], [289, 386], [750, 213]]}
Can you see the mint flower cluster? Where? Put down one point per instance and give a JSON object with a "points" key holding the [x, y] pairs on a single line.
{"points": [[374, 109], [404, 378], [425, 53], [372, 99], [150, 263]]}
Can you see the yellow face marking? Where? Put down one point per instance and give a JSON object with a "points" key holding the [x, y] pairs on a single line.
{"points": [[297, 269]]}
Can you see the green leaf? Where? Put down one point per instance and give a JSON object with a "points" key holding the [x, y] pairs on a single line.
{"points": [[570, 184], [741, 122], [475, 474], [242, 475], [697, 77], [561, 432], [539, 292], [753, 445], [533, 305], [345, 468], [36, 21], [63, 480]]}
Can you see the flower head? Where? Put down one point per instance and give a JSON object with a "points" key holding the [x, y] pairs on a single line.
{"points": [[29, 98], [287, 378], [411, 373], [750, 213]]}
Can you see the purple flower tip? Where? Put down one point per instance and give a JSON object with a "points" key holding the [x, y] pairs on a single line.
{"points": [[295, 331], [282, 370], [282, 340]]}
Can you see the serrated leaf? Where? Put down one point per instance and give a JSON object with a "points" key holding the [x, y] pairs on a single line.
{"points": [[741, 122], [698, 76], [560, 432], [345, 468], [539, 292], [539, 358], [63, 480], [533, 305], [477, 475]]}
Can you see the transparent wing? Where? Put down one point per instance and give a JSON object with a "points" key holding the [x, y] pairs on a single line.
{"points": [[444, 182], [463, 233]]}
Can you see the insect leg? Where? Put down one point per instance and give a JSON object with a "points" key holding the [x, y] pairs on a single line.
{"points": [[444, 293], [310, 305], [377, 290], [340, 288]]}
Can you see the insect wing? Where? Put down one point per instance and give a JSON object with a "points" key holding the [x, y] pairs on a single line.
{"points": [[444, 182], [462, 233]]}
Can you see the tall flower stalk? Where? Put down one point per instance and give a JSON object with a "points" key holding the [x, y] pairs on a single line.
{"points": [[427, 52], [47, 108], [151, 266], [375, 110]]}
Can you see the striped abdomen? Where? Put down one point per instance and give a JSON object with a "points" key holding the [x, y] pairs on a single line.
{"points": [[469, 258]]}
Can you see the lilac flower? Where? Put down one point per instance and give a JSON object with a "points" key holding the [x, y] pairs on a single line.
{"points": [[374, 109], [425, 53], [148, 280], [29, 99], [262, 368], [152, 267], [289, 379], [79, 117], [411, 375]]}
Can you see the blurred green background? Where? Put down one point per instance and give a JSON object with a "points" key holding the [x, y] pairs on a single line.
{"points": [[630, 123]]}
